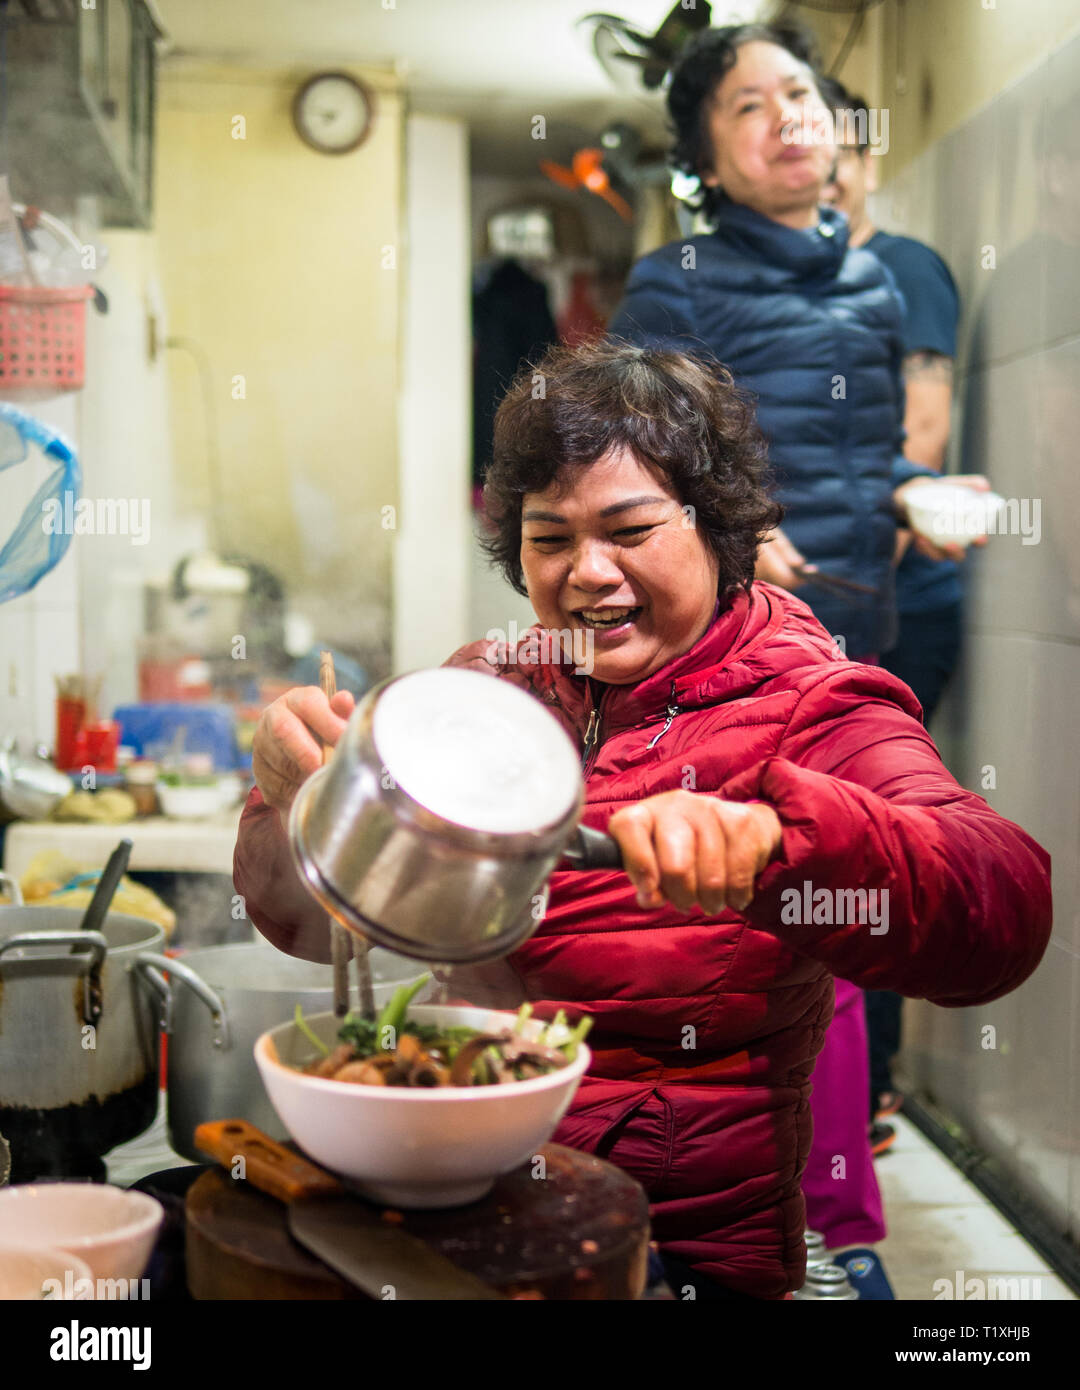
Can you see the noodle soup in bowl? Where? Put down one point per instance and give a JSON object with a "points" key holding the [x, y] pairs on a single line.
{"points": [[406, 1146]]}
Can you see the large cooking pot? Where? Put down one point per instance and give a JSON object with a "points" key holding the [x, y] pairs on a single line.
{"points": [[216, 1002], [78, 1038], [448, 801]]}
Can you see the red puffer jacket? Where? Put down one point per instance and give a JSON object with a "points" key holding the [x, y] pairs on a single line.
{"points": [[707, 1028]]}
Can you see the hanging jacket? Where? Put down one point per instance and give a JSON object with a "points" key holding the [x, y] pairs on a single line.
{"points": [[512, 325], [706, 1028], [813, 330]]}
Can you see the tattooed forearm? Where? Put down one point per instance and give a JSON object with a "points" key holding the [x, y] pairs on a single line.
{"points": [[928, 366]]}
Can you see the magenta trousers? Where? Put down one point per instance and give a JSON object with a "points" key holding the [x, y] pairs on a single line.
{"points": [[843, 1201]]}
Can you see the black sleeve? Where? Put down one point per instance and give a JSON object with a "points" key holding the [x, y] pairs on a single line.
{"points": [[931, 301]]}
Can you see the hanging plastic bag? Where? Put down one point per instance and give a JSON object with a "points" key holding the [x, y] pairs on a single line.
{"points": [[42, 535]]}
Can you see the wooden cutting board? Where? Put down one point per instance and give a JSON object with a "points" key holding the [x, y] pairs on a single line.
{"points": [[579, 1232]]}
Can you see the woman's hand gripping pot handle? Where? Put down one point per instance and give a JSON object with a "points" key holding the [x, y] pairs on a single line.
{"points": [[686, 848]]}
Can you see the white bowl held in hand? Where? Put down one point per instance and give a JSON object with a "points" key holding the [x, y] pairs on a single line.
{"points": [[112, 1230], [414, 1146], [951, 514], [27, 1272]]}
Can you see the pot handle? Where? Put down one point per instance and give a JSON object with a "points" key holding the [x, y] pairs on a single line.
{"points": [[149, 963], [75, 939], [12, 886], [593, 849], [160, 985]]}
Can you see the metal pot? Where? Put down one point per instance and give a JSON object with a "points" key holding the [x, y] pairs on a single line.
{"points": [[450, 798], [78, 1038], [215, 1004], [29, 788]]}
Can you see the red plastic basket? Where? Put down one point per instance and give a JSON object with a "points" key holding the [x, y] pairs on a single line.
{"points": [[42, 338]]}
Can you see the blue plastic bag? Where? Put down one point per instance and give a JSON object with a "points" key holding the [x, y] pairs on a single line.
{"points": [[31, 550]]}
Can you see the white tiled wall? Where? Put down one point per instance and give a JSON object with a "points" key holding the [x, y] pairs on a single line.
{"points": [[85, 614], [1009, 180]]}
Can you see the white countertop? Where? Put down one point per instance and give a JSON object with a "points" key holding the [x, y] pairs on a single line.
{"points": [[176, 846]]}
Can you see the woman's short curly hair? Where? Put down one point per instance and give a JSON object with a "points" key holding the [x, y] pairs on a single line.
{"points": [[701, 66], [679, 415]]}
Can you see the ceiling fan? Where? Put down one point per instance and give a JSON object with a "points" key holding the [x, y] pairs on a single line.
{"points": [[633, 59], [587, 172]]}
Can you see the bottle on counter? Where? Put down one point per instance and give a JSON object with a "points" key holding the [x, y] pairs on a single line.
{"points": [[140, 781], [816, 1252], [826, 1281]]}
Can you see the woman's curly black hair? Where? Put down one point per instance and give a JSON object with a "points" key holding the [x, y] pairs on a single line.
{"points": [[702, 65], [681, 416]]}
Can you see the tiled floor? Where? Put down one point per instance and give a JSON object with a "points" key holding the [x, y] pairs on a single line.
{"points": [[940, 1226], [943, 1228]]}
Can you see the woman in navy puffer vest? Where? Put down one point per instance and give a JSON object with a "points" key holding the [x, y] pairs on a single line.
{"points": [[809, 326]]}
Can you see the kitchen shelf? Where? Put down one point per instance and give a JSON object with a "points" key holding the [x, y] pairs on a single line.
{"points": [[81, 91]]}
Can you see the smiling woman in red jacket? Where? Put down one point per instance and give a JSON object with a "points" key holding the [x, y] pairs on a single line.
{"points": [[783, 815]]}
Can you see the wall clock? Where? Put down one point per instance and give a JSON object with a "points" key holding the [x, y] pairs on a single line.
{"points": [[333, 113]]}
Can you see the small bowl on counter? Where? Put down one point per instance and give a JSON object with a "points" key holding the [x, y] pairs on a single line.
{"points": [[199, 800], [111, 1230], [29, 1273]]}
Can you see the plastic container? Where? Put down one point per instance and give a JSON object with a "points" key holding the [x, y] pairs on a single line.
{"points": [[42, 327], [208, 728], [42, 339]]}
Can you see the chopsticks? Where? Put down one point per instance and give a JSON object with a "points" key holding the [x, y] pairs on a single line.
{"points": [[340, 949], [834, 582], [84, 689], [343, 942]]}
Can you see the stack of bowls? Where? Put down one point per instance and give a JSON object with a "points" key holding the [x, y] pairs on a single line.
{"points": [[75, 1240]]}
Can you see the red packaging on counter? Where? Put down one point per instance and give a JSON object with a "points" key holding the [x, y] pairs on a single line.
{"points": [[102, 741], [70, 716]]}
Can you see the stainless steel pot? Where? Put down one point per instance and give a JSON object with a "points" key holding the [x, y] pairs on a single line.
{"points": [[78, 1038], [29, 787], [450, 798], [215, 1003]]}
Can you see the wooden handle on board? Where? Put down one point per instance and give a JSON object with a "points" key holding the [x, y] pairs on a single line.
{"points": [[268, 1165]]}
